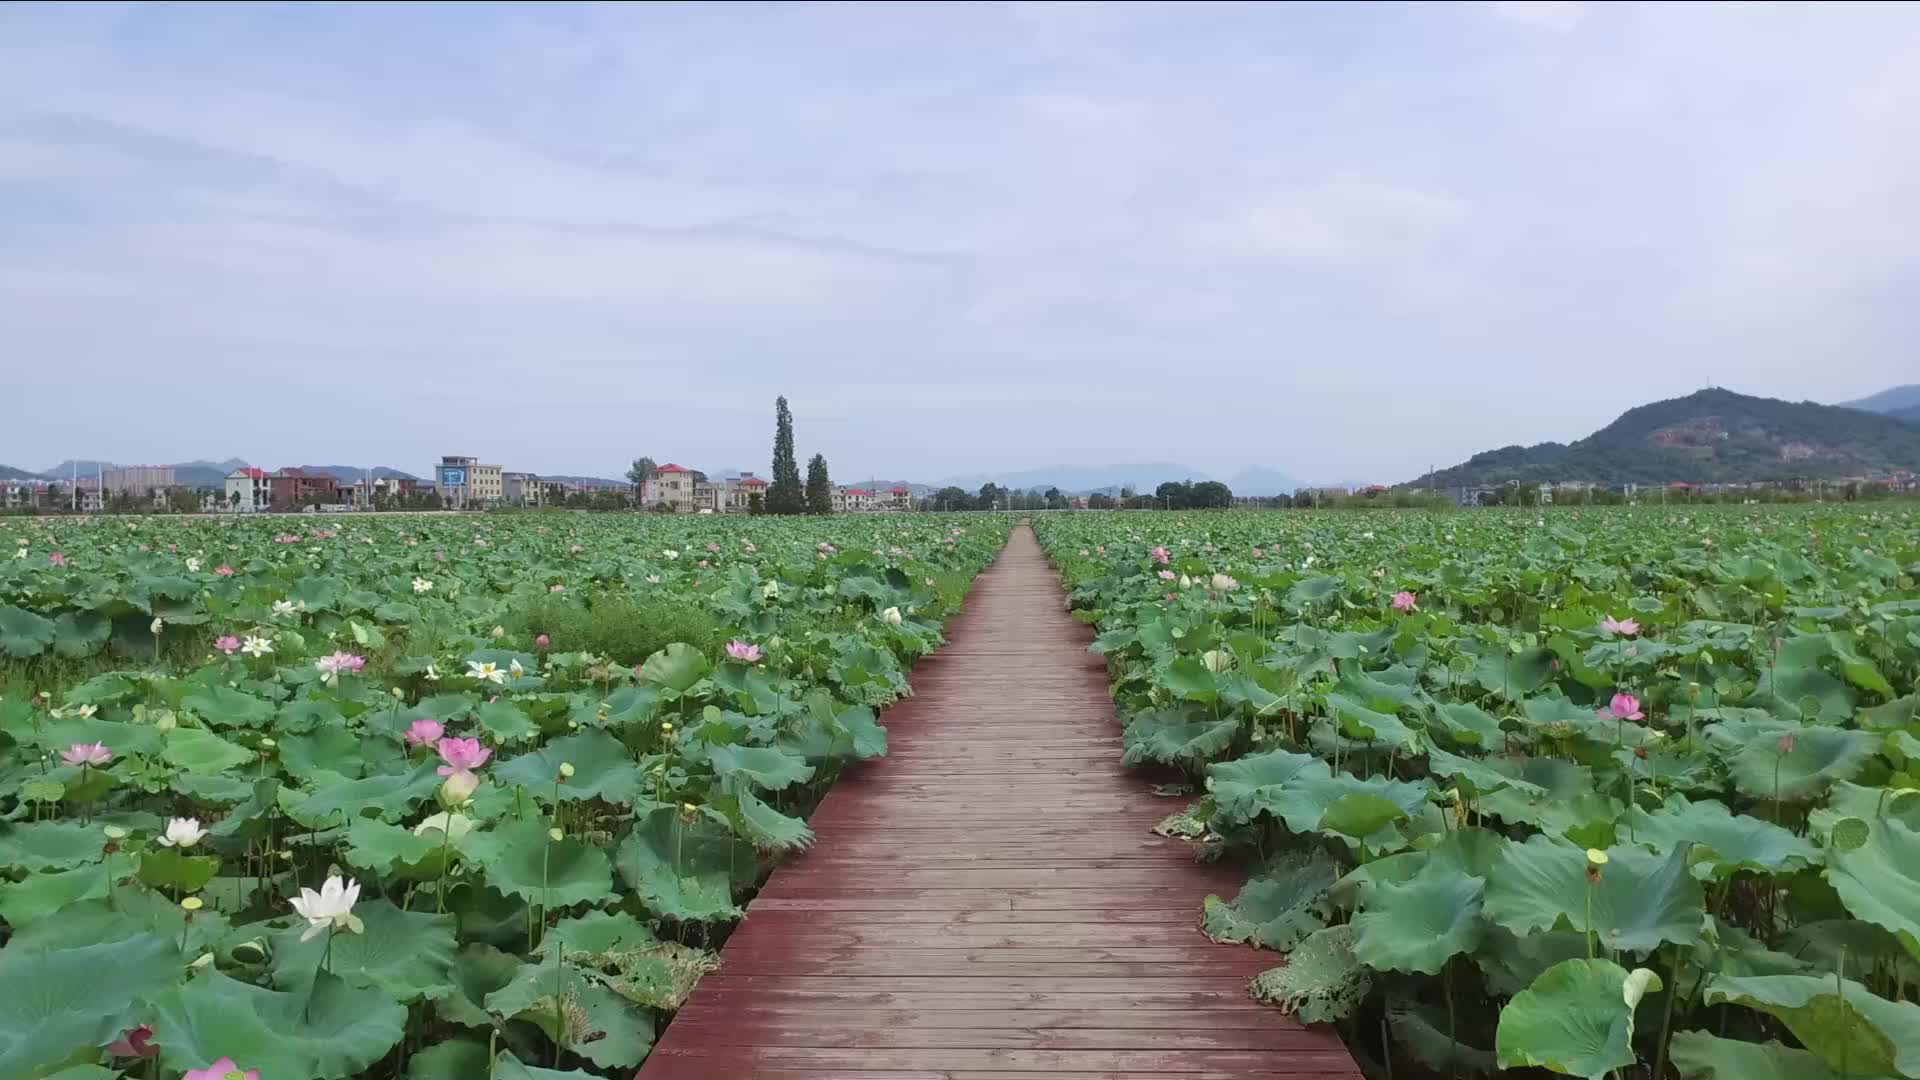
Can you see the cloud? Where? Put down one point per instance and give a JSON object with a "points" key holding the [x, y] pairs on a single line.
{"points": [[1556, 15]]}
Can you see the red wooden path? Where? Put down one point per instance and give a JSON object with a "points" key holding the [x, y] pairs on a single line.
{"points": [[986, 901]]}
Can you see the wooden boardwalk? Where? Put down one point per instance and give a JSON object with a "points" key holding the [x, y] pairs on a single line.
{"points": [[986, 901]]}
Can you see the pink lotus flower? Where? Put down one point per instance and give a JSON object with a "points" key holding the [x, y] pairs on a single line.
{"points": [[1167, 575], [1626, 627], [424, 732], [227, 643], [1404, 601], [542, 641], [286, 538], [220, 1070], [224, 571], [1160, 556], [1258, 554], [576, 549], [87, 754], [713, 547], [57, 559], [744, 651], [462, 755], [1624, 707], [1785, 745], [134, 1042], [556, 588], [340, 663]]}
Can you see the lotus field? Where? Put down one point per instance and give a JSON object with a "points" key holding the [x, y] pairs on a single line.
{"points": [[421, 797], [1621, 793]]}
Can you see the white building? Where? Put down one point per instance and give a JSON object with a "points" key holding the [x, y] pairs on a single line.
{"points": [[248, 491]]}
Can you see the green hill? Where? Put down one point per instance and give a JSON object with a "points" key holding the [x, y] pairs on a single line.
{"points": [[1713, 436]]}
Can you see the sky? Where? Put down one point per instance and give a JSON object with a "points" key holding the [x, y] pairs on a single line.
{"points": [[1345, 241]]}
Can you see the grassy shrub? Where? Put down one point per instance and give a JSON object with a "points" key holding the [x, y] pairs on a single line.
{"points": [[622, 626]]}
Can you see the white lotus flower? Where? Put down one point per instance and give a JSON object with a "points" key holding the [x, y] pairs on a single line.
{"points": [[653, 579], [485, 672], [1223, 583], [1186, 582], [432, 673], [670, 554], [182, 832], [514, 669], [771, 590], [256, 646], [332, 906], [891, 616], [284, 608], [156, 626], [20, 553], [1216, 661], [422, 585], [193, 566], [454, 826]]}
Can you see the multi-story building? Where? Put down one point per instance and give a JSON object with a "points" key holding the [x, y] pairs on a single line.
{"points": [[745, 488], [22, 495], [898, 498], [464, 482], [521, 489], [137, 479], [294, 489], [671, 484], [248, 491], [853, 500]]}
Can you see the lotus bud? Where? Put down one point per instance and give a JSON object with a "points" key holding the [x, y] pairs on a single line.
{"points": [[193, 903], [459, 789], [566, 770], [205, 959], [499, 632], [555, 834], [115, 832]]}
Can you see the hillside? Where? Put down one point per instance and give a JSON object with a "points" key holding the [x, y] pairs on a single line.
{"points": [[1109, 479], [1900, 400], [1713, 436], [1911, 414], [352, 474]]}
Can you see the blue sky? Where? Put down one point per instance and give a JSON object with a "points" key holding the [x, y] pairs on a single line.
{"points": [[1342, 240]]}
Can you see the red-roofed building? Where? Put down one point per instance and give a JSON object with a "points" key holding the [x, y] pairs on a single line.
{"points": [[672, 485], [899, 498], [852, 500], [293, 489], [248, 491]]}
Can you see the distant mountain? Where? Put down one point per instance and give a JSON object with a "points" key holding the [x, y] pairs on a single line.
{"points": [[348, 474], [1911, 415], [69, 468], [1713, 436], [8, 472], [1109, 479], [205, 474], [1900, 399], [585, 481]]}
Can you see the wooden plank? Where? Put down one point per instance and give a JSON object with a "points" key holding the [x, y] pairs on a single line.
{"points": [[988, 900]]}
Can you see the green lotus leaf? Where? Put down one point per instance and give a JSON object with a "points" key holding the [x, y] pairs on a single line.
{"points": [[334, 1031], [1322, 980], [224, 707], [49, 845], [1576, 1019], [404, 953], [1243, 691], [1724, 842], [1277, 909], [762, 766], [660, 976], [1640, 901], [602, 769], [595, 938], [80, 633], [22, 633], [476, 972], [1702, 1056], [1422, 1030], [46, 892], [1879, 881], [335, 750], [1356, 721], [1820, 756], [506, 722], [1360, 816], [387, 796], [454, 1059], [761, 825], [172, 869], [520, 859], [394, 849], [200, 751], [577, 1011], [1845, 1025], [508, 1067], [1467, 725], [54, 999], [684, 869], [1245, 787], [1173, 737], [1422, 924], [676, 667], [1475, 778]]}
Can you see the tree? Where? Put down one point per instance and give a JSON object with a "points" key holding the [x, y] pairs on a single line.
{"points": [[233, 499], [785, 495], [642, 471], [756, 502], [1210, 495], [1173, 495], [1099, 501], [1055, 500], [819, 486], [951, 498], [990, 495]]}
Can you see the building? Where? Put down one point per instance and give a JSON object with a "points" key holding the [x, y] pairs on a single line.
{"points": [[464, 482], [294, 489], [853, 501], [28, 494], [137, 479], [248, 491], [673, 485], [746, 488], [522, 489], [898, 498]]}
